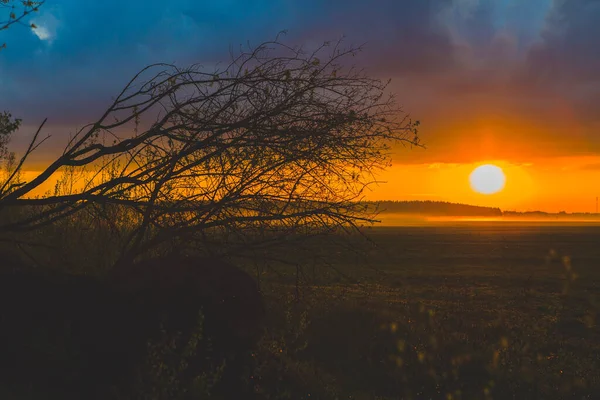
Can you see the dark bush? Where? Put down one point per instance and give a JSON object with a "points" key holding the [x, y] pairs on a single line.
{"points": [[62, 336], [171, 292], [72, 337]]}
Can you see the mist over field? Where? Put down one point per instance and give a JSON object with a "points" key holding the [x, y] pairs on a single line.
{"points": [[399, 213]]}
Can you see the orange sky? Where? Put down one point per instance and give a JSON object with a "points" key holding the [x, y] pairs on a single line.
{"points": [[441, 171], [546, 169], [542, 185], [545, 138], [545, 143], [515, 83], [552, 185], [550, 159]]}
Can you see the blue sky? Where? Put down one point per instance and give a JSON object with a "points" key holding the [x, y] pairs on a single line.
{"points": [[449, 59]]}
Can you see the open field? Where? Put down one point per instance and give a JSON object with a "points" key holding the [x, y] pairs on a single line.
{"points": [[449, 311]]}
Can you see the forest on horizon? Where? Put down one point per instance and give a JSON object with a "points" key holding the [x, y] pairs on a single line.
{"points": [[443, 208]]}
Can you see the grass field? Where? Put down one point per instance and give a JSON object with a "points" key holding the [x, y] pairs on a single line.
{"points": [[449, 311]]}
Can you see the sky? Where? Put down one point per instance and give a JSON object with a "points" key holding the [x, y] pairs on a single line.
{"points": [[510, 82]]}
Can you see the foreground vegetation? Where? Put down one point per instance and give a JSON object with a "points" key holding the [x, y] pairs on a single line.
{"points": [[416, 313], [439, 320]]}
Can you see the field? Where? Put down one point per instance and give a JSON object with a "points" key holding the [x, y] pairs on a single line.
{"points": [[449, 311]]}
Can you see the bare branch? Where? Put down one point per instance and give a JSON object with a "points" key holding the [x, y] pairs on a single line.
{"points": [[17, 14], [278, 141]]}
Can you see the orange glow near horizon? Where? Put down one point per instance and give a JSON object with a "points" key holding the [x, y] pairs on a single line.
{"points": [[551, 185]]}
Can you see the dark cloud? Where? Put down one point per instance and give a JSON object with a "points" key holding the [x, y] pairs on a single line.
{"points": [[450, 59], [565, 62], [99, 45], [569, 52], [96, 46], [402, 38]]}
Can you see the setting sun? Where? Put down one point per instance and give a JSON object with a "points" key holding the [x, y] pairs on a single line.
{"points": [[487, 179]]}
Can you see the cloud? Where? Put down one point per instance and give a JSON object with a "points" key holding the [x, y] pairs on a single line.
{"points": [[99, 45], [46, 27], [568, 52], [42, 32], [565, 62], [457, 65], [400, 37]]}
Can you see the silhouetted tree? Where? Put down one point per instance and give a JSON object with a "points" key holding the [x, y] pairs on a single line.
{"points": [[8, 125], [278, 141]]}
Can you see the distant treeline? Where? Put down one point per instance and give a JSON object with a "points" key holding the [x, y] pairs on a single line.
{"points": [[443, 208], [440, 208], [542, 214]]}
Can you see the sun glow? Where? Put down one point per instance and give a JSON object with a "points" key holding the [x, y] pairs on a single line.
{"points": [[487, 179]]}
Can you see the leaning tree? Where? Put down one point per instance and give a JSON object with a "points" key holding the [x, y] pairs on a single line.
{"points": [[279, 142]]}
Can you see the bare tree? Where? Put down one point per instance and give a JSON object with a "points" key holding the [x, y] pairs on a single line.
{"points": [[16, 12], [278, 141]]}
